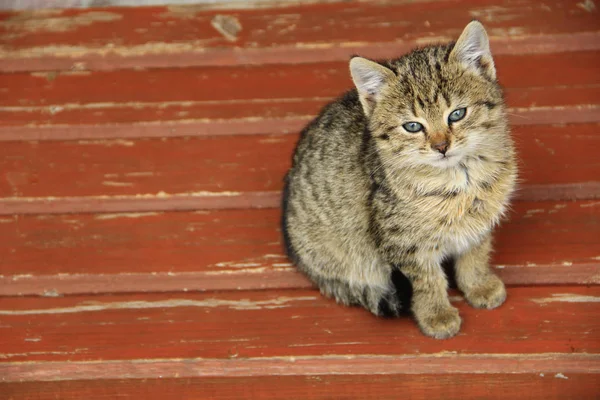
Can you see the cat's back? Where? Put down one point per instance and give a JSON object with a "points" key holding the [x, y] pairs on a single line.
{"points": [[336, 131], [327, 184]]}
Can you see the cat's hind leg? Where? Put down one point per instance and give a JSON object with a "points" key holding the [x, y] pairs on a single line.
{"points": [[379, 296]]}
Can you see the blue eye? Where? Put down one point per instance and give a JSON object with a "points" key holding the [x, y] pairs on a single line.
{"points": [[457, 115], [413, 127]]}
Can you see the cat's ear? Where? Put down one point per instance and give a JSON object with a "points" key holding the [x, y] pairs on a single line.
{"points": [[472, 49], [369, 78]]}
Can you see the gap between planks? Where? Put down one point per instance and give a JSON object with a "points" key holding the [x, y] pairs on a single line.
{"points": [[253, 279], [440, 363]]}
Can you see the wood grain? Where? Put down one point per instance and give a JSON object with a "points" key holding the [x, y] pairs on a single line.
{"points": [[545, 329], [113, 38], [542, 243], [319, 387], [249, 92], [237, 172]]}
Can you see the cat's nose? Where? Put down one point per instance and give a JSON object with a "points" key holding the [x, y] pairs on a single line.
{"points": [[442, 146]]}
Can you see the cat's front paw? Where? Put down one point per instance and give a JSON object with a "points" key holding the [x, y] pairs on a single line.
{"points": [[489, 294], [442, 324]]}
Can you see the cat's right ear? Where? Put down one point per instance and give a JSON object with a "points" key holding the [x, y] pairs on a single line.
{"points": [[369, 78]]}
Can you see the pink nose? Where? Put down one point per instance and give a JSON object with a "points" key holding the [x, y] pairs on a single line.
{"points": [[442, 147]]}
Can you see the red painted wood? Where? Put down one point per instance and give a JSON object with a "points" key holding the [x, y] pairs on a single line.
{"points": [[245, 164], [533, 323], [375, 387], [527, 106], [112, 37], [227, 84], [542, 243]]}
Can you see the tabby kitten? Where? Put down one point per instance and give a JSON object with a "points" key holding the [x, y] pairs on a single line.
{"points": [[414, 166]]}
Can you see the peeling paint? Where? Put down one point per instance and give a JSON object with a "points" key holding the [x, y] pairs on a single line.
{"points": [[241, 271], [108, 142], [160, 105], [117, 184], [25, 22], [243, 304], [237, 265], [592, 204], [50, 293], [425, 41], [560, 376], [587, 5], [530, 213], [41, 353], [567, 298], [126, 215], [140, 173], [530, 264], [22, 276], [227, 25], [495, 14]]}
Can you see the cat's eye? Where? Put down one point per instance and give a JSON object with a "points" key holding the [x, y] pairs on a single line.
{"points": [[457, 115], [413, 127]]}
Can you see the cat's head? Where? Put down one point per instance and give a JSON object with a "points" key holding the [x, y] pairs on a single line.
{"points": [[436, 105]]}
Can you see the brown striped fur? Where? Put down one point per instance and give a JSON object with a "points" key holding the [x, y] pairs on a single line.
{"points": [[366, 200]]}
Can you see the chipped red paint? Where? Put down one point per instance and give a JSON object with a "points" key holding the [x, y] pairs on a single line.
{"points": [[124, 38], [241, 249], [262, 85], [220, 330], [450, 386], [132, 114], [223, 172]]}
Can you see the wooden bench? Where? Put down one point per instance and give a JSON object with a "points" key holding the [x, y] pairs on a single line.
{"points": [[142, 152]]}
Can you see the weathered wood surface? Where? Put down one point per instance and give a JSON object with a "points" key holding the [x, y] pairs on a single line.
{"points": [[546, 386], [255, 99], [123, 38], [129, 114], [246, 171], [220, 328], [541, 243], [542, 331]]}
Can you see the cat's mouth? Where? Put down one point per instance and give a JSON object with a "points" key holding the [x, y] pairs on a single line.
{"points": [[447, 160]]}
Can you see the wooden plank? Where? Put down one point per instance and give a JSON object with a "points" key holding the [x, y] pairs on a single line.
{"points": [[225, 172], [320, 387], [226, 85], [542, 243], [529, 106], [538, 330], [123, 38], [252, 100]]}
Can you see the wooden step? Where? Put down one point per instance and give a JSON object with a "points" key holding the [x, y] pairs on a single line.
{"points": [[247, 171], [541, 243], [113, 38], [547, 386], [539, 330], [255, 100]]}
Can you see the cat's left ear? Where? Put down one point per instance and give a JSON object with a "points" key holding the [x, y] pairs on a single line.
{"points": [[472, 49], [369, 78]]}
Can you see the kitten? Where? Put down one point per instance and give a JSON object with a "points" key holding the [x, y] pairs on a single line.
{"points": [[414, 166]]}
